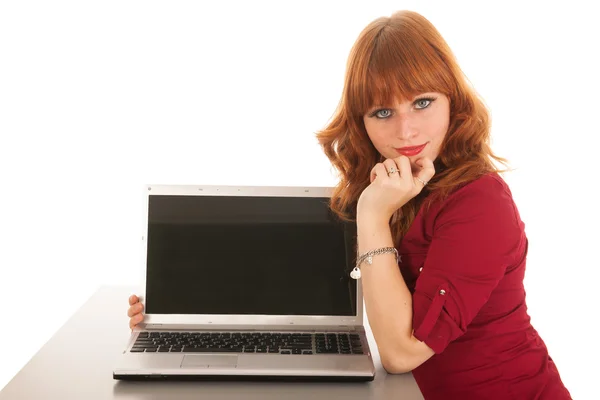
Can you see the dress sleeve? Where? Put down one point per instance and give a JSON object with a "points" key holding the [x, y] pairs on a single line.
{"points": [[476, 235]]}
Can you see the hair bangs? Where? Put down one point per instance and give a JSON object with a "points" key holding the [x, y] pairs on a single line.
{"points": [[393, 73]]}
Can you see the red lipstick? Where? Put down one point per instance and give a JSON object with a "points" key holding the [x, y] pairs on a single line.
{"points": [[410, 151]]}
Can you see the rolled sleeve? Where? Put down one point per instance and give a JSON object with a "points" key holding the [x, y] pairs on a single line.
{"points": [[475, 236]]}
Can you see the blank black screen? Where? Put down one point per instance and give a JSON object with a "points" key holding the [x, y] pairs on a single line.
{"points": [[248, 255]]}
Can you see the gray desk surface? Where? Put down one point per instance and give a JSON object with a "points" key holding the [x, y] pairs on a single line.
{"points": [[77, 363]]}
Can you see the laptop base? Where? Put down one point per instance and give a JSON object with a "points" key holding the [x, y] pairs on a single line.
{"points": [[242, 378]]}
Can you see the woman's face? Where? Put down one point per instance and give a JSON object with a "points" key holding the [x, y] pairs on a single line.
{"points": [[414, 128]]}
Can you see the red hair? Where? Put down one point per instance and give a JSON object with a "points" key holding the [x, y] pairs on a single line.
{"points": [[399, 57]]}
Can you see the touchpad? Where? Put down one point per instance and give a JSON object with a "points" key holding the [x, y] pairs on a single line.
{"points": [[209, 360]]}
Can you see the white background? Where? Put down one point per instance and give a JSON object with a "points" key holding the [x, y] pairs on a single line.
{"points": [[98, 98]]}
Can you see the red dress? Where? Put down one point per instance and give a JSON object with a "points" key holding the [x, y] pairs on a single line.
{"points": [[464, 262]]}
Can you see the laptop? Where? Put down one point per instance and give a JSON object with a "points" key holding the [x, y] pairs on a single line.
{"points": [[247, 282]]}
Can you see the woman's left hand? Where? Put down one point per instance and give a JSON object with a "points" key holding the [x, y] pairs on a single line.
{"points": [[390, 190]]}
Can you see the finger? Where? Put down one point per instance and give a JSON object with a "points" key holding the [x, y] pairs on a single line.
{"points": [[420, 161], [374, 172], [136, 320], [133, 299], [427, 171], [378, 171], [390, 165], [135, 309], [403, 163]]}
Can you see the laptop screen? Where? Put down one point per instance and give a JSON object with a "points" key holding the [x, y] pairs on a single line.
{"points": [[248, 255]]}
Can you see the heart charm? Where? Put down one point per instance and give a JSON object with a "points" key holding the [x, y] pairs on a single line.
{"points": [[355, 274]]}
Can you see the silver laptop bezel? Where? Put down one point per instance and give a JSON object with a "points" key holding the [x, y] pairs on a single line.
{"points": [[234, 320]]}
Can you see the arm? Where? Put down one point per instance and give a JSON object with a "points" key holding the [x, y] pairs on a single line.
{"points": [[388, 302], [476, 235]]}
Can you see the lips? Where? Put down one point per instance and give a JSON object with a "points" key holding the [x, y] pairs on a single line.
{"points": [[411, 150]]}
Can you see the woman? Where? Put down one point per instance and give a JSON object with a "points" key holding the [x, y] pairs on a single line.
{"points": [[441, 246]]}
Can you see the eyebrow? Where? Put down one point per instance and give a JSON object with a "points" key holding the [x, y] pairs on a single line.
{"points": [[413, 99]]}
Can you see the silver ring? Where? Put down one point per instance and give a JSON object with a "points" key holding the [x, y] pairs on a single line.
{"points": [[392, 171], [422, 181]]}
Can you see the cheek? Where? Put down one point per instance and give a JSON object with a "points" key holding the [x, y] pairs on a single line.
{"points": [[377, 137], [377, 134], [439, 136], [437, 130], [379, 141]]}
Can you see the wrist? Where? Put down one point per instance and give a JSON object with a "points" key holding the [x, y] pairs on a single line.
{"points": [[372, 219], [373, 232]]}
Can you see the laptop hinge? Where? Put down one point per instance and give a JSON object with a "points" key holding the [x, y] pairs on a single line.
{"points": [[349, 328]]}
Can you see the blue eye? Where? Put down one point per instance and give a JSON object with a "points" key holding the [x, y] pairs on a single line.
{"points": [[383, 113], [427, 100]]}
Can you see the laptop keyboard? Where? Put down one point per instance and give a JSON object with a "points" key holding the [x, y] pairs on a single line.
{"points": [[246, 342]]}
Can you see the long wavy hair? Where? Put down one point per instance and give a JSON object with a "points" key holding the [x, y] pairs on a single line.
{"points": [[399, 57]]}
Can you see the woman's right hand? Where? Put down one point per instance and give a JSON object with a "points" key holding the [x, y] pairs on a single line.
{"points": [[135, 312]]}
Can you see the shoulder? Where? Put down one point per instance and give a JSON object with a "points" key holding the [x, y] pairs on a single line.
{"points": [[487, 190], [487, 198], [487, 186]]}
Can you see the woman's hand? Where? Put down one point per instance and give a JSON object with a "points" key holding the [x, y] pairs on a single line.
{"points": [[135, 311], [390, 191]]}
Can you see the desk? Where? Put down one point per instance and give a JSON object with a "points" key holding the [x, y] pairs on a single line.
{"points": [[77, 363]]}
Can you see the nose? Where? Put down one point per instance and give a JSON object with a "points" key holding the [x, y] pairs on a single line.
{"points": [[405, 129]]}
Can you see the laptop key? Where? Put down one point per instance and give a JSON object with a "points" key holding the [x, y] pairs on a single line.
{"points": [[211, 350], [144, 341]]}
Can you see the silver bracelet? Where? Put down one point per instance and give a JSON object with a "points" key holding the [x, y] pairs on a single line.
{"points": [[368, 257]]}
